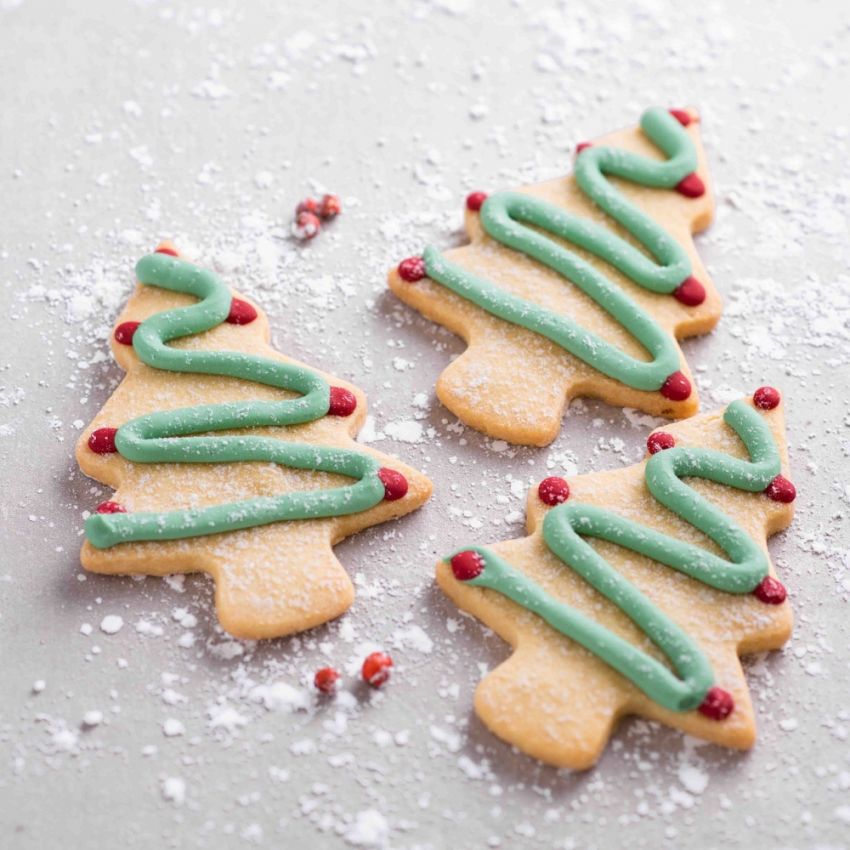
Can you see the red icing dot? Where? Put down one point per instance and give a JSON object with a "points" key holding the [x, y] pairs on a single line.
{"points": [[325, 680], [306, 226], [553, 490], [770, 591], [102, 441], [124, 332], [781, 490], [475, 200], [412, 269], [241, 312], [766, 398], [376, 669], [166, 249], [395, 484], [310, 205], [583, 146], [691, 186], [690, 292], [343, 402], [467, 565], [682, 116], [659, 441], [677, 387], [718, 704], [330, 207], [110, 508]]}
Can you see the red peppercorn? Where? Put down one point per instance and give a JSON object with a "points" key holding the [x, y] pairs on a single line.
{"points": [[553, 490], [325, 680], [659, 441], [330, 207], [306, 225], [310, 205], [376, 669], [766, 398]]}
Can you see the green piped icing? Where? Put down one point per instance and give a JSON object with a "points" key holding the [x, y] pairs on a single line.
{"points": [[506, 216], [162, 437], [565, 526]]}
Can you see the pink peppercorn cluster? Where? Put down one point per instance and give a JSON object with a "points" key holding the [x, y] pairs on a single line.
{"points": [[310, 213]]}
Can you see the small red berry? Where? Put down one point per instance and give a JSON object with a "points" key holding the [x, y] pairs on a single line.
{"points": [[659, 441], [690, 292], [376, 669], [467, 565], [110, 508], [682, 116], [166, 249], [102, 441], [325, 680], [241, 312], [412, 269], [306, 226], [475, 200], [124, 332], [677, 387], [330, 207], [310, 205], [770, 591], [718, 704], [395, 484], [343, 402], [691, 186], [781, 490], [766, 398], [583, 146], [553, 490]]}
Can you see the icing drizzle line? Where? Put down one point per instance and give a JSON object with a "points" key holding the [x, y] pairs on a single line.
{"points": [[161, 437], [506, 217], [565, 525]]}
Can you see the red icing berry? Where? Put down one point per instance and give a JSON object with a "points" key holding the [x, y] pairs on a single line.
{"points": [[690, 292], [395, 484], [166, 249], [475, 200], [310, 205], [412, 269], [306, 226], [781, 490], [682, 116], [330, 207], [376, 669], [659, 441], [718, 704], [110, 508], [343, 402], [325, 680], [770, 591], [766, 398], [467, 565], [124, 332], [583, 146], [553, 490], [691, 186], [241, 312], [102, 441], [677, 387]]}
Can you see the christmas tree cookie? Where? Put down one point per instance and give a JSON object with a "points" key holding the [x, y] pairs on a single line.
{"points": [[579, 286], [231, 459], [637, 589]]}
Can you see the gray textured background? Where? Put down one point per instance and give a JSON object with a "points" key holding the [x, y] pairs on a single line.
{"points": [[122, 123]]}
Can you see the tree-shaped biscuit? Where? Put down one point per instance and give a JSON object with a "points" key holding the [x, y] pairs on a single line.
{"points": [[637, 589], [231, 459], [579, 286]]}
